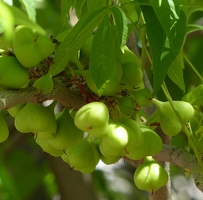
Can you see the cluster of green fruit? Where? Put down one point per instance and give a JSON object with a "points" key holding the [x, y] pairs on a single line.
{"points": [[28, 49]]}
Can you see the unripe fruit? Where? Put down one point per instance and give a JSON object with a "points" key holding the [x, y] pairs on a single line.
{"points": [[110, 160], [30, 47], [143, 97], [169, 122], [126, 105], [113, 84], [12, 74], [129, 56], [132, 76], [82, 157], [44, 84], [34, 118], [150, 176], [118, 140], [67, 134], [46, 147], [13, 111], [137, 139], [4, 131], [151, 145], [93, 118]]}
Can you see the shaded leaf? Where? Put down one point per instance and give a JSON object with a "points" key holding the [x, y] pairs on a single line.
{"points": [[195, 97], [175, 72], [29, 6]]}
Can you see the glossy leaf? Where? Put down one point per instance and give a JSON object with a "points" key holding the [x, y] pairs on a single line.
{"points": [[195, 97], [75, 39], [29, 6]]}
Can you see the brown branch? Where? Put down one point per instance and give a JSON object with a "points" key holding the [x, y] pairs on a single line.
{"points": [[65, 96]]}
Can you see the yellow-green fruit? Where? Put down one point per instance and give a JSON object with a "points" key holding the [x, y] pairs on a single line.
{"points": [[93, 118], [82, 157], [30, 47], [143, 97], [132, 76], [129, 56], [150, 176], [67, 134], [34, 118], [13, 111], [46, 147], [169, 121], [137, 139], [4, 131], [151, 146], [112, 86], [44, 84], [119, 138], [110, 160], [12, 74]]}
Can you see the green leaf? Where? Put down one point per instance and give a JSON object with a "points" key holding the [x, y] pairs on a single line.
{"points": [[29, 6], [66, 5], [175, 72], [163, 50], [195, 97], [103, 57], [75, 39], [80, 7], [95, 4], [167, 13], [121, 24]]}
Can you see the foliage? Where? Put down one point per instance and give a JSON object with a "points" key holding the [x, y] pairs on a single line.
{"points": [[107, 71]]}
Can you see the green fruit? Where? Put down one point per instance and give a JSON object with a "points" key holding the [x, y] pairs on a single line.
{"points": [[93, 118], [44, 84], [137, 139], [169, 122], [112, 85], [67, 134], [129, 56], [196, 121], [12, 74], [13, 111], [150, 176], [127, 105], [119, 139], [4, 131], [30, 47], [110, 160], [35, 118], [143, 97], [132, 76], [82, 157], [151, 145], [46, 147]]}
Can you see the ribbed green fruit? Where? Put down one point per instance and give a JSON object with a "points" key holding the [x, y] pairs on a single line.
{"points": [[129, 56], [151, 146], [44, 84], [34, 118], [132, 76], [12, 74], [46, 147], [13, 111], [4, 131], [67, 134], [30, 47], [150, 176], [169, 121], [82, 157], [143, 97], [93, 118]]}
